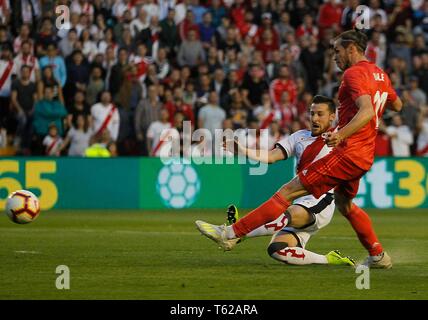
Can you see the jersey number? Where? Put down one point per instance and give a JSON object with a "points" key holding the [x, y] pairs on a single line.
{"points": [[379, 101]]}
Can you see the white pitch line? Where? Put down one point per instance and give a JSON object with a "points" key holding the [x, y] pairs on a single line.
{"points": [[28, 252]]}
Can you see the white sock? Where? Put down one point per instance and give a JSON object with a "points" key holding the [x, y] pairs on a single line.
{"points": [[269, 228], [299, 256], [230, 233]]}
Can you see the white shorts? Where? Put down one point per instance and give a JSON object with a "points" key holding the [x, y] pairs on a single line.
{"points": [[322, 209]]}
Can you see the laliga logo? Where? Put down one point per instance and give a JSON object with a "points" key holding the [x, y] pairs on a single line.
{"points": [[178, 185]]}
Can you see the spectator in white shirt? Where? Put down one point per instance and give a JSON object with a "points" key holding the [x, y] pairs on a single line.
{"points": [[105, 116], [139, 23], [157, 134], [401, 137]]}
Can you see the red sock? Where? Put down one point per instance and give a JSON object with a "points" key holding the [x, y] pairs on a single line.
{"points": [[267, 212], [362, 225]]}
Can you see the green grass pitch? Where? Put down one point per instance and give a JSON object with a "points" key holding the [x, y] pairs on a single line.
{"points": [[161, 255]]}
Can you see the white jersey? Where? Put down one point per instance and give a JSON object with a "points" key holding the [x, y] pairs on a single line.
{"points": [[6, 86], [156, 131], [295, 145], [30, 61], [52, 145], [99, 114]]}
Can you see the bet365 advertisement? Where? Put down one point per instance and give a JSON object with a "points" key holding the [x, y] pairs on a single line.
{"points": [[147, 183]]}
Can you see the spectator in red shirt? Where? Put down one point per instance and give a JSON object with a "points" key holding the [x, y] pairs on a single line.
{"points": [[307, 28], [283, 84], [267, 46], [188, 24], [330, 15], [267, 25]]}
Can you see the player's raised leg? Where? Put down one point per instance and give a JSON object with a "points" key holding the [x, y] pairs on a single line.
{"points": [[362, 225]]}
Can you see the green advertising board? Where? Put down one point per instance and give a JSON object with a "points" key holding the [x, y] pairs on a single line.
{"points": [[147, 183]]}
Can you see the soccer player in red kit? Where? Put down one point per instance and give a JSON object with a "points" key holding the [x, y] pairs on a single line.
{"points": [[364, 93]]}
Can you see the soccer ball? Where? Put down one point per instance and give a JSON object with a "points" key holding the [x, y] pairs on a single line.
{"points": [[22, 207], [178, 185]]}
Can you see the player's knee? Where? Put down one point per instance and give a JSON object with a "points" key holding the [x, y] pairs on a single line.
{"points": [[276, 246], [343, 207]]}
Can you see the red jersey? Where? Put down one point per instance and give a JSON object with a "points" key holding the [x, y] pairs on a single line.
{"points": [[278, 86], [363, 78]]}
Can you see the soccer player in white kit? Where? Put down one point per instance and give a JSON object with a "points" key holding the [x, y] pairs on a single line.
{"points": [[292, 230]]}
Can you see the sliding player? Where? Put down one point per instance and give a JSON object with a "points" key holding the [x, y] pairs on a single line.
{"points": [[307, 214], [363, 94]]}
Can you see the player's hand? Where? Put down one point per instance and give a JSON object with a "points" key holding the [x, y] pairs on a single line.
{"points": [[332, 139]]}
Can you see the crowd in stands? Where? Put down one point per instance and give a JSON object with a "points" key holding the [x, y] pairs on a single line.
{"points": [[114, 74]]}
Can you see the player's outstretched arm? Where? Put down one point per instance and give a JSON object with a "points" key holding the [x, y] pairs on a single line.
{"points": [[362, 117], [264, 156]]}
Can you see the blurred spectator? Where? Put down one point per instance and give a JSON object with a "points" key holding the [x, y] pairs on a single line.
{"points": [[376, 49], [198, 11], [283, 84], [206, 30], [422, 72], [191, 52], [117, 73], [287, 109], [139, 23], [48, 80], [78, 137], [77, 75], [416, 93], [217, 11], [23, 97], [283, 26], [147, 111], [253, 86], [78, 107], [237, 111], [150, 37], [48, 111], [56, 62], [330, 15], [307, 28], [349, 14], [25, 57], [53, 141], [169, 37], [100, 146], [211, 116], [23, 36], [95, 86], [157, 133], [422, 142], [7, 72], [105, 116], [401, 137], [162, 65], [187, 25], [312, 59]]}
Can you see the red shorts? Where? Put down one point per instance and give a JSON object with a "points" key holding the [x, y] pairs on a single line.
{"points": [[335, 170]]}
